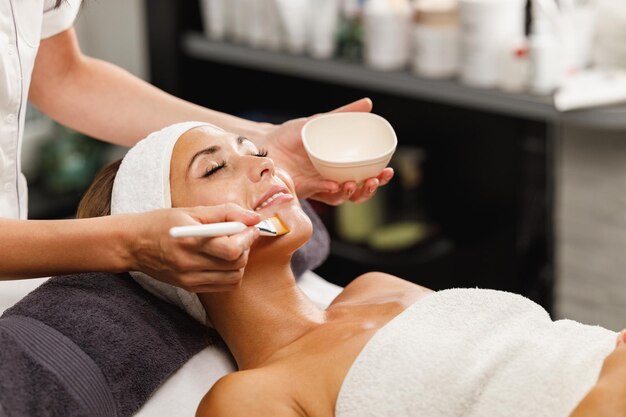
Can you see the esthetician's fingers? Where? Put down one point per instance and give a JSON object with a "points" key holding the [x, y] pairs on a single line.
{"points": [[334, 194], [366, 191], [369, 187], [228, 249], [321, 190], [153, 251], [385, 176], [224, 213], [361, 105]]}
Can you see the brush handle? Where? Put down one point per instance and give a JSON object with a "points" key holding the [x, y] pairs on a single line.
{"points": [[208, 230]]}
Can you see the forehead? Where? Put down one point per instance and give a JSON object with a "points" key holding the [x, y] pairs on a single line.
{"points": [[201, 137]]}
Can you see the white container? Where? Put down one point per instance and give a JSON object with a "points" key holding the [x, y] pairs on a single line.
{"points": [[487, 18], [591, 88], [349, 146], [238, 13], [479, 59], [386, 33], [609, 48], [545, 64], [294, 15], [574, 32], [487, 26], [255, 33], [323, 28], [514, 67], [273, 31], [214, 18], [436, 41]]}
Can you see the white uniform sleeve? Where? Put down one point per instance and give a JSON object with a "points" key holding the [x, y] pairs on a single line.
{"points": [[57, 20]]}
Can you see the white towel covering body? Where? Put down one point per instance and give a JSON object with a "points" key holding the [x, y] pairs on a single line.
{"points": [[475, 353]]}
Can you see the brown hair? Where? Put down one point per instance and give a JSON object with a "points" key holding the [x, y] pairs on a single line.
{"points": [[96, 201], [58, 4]]}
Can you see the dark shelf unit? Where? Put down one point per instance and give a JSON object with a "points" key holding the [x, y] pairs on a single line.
{"points": [[491, 155]]}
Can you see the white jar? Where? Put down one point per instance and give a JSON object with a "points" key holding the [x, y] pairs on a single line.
{"points": [[386, 33], [487, 26], [436, 42]]}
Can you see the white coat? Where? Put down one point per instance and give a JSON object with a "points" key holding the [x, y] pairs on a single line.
{"points": [[23, 23]]}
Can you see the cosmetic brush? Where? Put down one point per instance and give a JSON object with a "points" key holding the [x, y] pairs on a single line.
{"points": [[271, 226]]}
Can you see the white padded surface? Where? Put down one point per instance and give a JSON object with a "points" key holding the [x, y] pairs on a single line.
{"points": [[13, 291]]}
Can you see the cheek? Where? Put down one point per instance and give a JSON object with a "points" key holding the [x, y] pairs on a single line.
{"points": [[206, 195], [212, 196]]}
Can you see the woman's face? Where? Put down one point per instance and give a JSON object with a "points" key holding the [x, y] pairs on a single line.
{"points": [[211, 166]]}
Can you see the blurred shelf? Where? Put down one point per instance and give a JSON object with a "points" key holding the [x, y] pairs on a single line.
{"points": [[401, 83]]}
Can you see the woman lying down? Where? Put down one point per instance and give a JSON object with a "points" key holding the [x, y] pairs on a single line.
{"points": [[385, 346]]}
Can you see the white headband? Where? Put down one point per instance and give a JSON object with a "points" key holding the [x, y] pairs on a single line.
{"points": [[142, 184]]}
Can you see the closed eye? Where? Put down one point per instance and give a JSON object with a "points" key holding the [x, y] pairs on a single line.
{"points": [[262, 153], [214, 169]]}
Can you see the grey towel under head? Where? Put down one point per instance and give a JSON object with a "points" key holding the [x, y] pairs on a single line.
{"points": [[135, 339], [316, 250]]}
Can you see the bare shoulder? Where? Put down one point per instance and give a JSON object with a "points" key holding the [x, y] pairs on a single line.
{"points": [[379, 285], [246, 393]]}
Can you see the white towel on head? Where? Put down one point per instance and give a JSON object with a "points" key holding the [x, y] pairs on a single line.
{"points": [[142, 184], [474, 353]]}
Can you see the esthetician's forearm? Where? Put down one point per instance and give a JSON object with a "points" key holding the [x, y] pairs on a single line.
{"points": [[108, 103], [31, 248]]}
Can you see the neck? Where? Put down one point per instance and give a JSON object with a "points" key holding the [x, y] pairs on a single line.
{"points": [[267, 313]]}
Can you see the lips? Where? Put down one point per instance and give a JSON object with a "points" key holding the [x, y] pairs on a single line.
{"points": [[273, 196]]}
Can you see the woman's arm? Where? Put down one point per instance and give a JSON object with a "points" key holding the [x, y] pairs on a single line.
{"points": [[108, 103], [140, 242], [608, 397]]}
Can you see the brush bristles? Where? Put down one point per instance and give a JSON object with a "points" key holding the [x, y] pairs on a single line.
{"points": [[281, 228], [272, 226]]}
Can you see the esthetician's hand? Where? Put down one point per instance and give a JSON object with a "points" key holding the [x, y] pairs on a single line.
{"points": [[195, 264], [284, 143], [608, 396]]}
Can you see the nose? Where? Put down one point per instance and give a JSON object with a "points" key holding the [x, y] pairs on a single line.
{"points": [[261, 167]]}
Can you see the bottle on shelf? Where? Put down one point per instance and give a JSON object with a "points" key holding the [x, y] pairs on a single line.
{"points": [[386, 25], [544, 50], [323, 28], [514, 66]]}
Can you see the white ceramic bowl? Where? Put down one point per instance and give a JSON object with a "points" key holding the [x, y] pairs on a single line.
{"points": [[349, 146]]}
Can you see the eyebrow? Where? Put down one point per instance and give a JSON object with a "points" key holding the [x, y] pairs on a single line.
{"points": [[213, 150], [206, 151]]}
